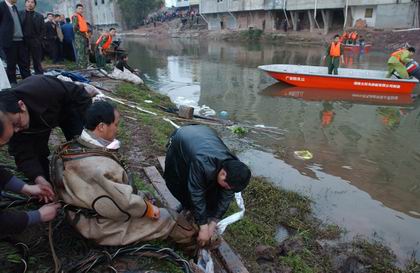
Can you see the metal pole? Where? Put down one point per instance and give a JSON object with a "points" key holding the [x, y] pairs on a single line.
{"points": [[234, 18], [345, 15], [285, 12], [202, 16]]}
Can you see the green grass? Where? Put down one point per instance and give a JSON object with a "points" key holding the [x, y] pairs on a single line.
{"points": [[159, 129], [268, 206]]}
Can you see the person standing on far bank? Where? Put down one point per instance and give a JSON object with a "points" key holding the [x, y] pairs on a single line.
{"points": [[12, 46], [33, 31], [80, 28], [334, 55]]}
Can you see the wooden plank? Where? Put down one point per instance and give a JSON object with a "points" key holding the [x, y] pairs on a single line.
{"points": [[161, 160], [229, 258], [157, 181]]}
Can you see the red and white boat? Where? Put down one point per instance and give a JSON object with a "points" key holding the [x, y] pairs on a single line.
{"points": [[347, 79]]}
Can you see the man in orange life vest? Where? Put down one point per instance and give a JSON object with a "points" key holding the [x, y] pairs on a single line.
{"points": [[80, 28], [102, 45], [333, 55], [398, 61], [353, 37]]}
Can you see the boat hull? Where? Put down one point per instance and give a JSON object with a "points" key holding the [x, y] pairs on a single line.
{"points": [[347, 83], [314, 94]]}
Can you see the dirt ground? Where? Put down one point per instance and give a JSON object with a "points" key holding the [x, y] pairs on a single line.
{"points": [[379, 38]]}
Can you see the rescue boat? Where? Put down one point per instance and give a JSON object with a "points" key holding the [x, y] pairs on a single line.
{"points": [[317, 94], [347, 79]]}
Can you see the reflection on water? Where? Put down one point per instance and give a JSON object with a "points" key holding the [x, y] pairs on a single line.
{"points": [[366, 146]]}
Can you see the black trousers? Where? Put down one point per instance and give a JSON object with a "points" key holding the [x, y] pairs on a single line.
{"points": [[59, 51], [34, 47], [17, 54], [51, 50], [68, 51]]}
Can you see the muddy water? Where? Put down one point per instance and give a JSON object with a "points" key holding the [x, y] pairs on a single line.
{"points": [[365, 171]]}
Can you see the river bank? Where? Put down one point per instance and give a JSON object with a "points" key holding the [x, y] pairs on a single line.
{"points": [[303, 243], [380, 38]]}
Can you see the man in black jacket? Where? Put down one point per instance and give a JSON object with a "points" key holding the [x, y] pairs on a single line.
{"points": [[50, 38], [203, 175], [33, 31], [32, 109], [11, 41]]}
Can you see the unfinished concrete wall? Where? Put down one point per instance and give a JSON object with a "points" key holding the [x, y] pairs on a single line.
{"points": [[220, 21], [395, 15], [274, 4], [366, 13], [376, 2], [181, 3], [103, 13], [214, 6], [264, 20], [310, 4]]}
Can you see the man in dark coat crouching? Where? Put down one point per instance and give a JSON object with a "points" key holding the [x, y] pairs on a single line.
{"points": [[31, 110], [203, 175]]}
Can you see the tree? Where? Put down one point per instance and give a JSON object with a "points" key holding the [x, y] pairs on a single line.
{"points": [[134, 11]]}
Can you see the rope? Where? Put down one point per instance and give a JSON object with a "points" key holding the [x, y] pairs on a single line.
{"points": [[54, 255], [98, 258]]}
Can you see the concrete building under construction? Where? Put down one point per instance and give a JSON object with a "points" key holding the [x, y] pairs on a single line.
{"points": [[271, 15]]}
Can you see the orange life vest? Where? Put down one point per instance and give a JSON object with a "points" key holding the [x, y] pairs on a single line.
{"points": [[327, 117], [335, 49], [353, 35], [107, 43], [83, 27], [397, 54]]}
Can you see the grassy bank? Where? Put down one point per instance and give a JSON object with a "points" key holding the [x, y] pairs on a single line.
{"points": [[310, 247]]}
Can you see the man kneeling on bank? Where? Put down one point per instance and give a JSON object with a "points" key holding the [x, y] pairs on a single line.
{"points": [[88, 173]]}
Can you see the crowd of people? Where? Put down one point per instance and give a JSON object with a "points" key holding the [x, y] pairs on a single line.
{"points": [[27, 37], [189, 15], [86, 174]]}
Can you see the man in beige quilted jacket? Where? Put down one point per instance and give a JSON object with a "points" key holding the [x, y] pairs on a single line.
{"points": [[87, 173]]}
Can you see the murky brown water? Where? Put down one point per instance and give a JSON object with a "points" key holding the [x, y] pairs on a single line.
{"points": [[365, 173]]}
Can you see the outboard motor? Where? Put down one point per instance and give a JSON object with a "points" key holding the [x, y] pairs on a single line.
{"points": [[413, 69]]}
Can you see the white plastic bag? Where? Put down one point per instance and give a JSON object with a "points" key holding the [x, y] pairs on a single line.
{"points": [[4, 81], [126, 75], [205, 262], [221, 226]]}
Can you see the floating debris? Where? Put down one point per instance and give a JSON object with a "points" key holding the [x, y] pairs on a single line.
{"points": [[304, 155], [223, 114], [238, 130]]}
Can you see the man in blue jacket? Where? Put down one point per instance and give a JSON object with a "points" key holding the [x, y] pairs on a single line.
{"points": [[203, 175]]}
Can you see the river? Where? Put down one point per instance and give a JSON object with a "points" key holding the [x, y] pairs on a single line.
{"points": [[366, 148]]}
